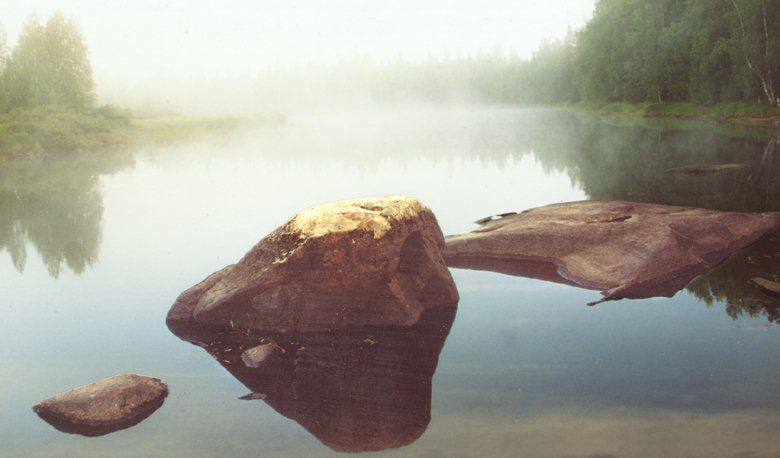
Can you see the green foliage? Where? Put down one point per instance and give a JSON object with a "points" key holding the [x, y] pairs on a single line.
{"points": [[703, 51], [746, 113], [49, 66], [620, 108], [172, 129], [47, 100], [53, 204], [59, 128]]}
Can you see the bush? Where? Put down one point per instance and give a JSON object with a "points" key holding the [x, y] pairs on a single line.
{"points": [[56, 128], [672, 109]]}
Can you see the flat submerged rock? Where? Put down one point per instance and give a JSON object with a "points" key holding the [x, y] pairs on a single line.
{"points": [[625, 249], [104, 406]]}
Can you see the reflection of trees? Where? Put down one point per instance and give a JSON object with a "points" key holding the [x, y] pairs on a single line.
{"points": [[629, 162], [730, 282], [55, 204]]}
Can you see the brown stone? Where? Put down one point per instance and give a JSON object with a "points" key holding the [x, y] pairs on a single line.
{"points": [[351, 263], [104, 406], [627, 250], [255, 356], [767, 286]]}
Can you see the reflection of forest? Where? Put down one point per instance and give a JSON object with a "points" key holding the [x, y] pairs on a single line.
{"points": [[55, 204], [730, 282], [630, 162]]}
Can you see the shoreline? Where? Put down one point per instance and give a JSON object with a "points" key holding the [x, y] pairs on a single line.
{"points": [[47, 130], [741, 114]]}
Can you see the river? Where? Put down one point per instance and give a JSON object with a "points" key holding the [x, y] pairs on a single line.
{"points": [[95, 247]]}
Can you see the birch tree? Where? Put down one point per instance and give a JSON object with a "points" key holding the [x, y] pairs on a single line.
{"points": [[759, 38]]}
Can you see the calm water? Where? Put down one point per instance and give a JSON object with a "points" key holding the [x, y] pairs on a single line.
{"points": [[94, 248]]}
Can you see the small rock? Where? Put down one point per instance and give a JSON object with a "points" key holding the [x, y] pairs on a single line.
{"points": [[256, 355], [767, 286], [253, 396], [104, 406]]}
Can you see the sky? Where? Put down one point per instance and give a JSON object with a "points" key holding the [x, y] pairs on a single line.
{"points": [[140, 40]]}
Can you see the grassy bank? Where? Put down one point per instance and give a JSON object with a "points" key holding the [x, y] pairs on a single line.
{"points": [[742, 113], [53, 129], [173, 128]]}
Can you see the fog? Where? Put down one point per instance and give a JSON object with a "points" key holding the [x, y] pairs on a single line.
{"points": [[242, 56]]}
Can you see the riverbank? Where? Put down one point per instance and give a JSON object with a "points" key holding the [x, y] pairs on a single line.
{"points": [[58, 129], [174, 128], [738, 113]]}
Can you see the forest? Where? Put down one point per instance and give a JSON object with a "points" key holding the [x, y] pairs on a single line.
{"points": [[712, 57], [700, 51]]}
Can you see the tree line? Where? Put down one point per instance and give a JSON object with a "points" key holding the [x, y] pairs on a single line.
{"points": [[703, 51], [48, 66]]}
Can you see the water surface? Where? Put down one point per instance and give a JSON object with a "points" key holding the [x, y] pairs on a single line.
{"points": [[96, 247]]}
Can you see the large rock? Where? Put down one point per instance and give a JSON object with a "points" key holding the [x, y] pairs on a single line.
{"points": [[351, 263], [104, 406], [627, 250]]}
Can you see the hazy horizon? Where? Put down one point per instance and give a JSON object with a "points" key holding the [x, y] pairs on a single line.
{"points": [[137, 44]]}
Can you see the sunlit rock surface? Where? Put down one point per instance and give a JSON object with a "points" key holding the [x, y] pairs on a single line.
{"points": [[105, 406], [627, 250], [356, 389], [348, 263]]}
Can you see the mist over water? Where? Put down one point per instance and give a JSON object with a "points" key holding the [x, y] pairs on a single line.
{"points": [[205, 56]]}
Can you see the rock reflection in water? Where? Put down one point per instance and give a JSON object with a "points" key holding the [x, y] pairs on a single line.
{"points": [[357, 389]]}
